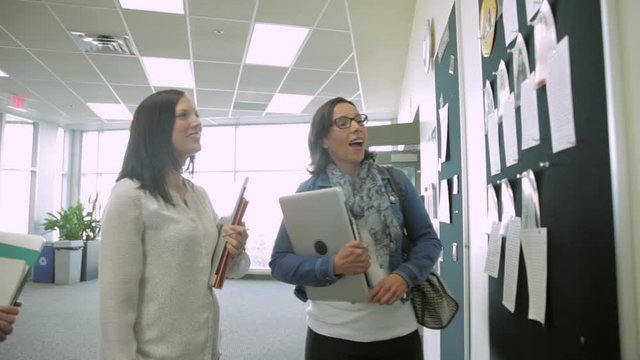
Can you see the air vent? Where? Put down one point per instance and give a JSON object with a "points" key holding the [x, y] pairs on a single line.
{"points": [[102, 44]]}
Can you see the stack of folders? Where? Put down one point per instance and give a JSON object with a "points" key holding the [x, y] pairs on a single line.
{"points": [[221, 255], [18, 254]]}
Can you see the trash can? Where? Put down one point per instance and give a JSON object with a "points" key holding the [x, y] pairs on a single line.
{"points": [[43, 269], [68, 261]]}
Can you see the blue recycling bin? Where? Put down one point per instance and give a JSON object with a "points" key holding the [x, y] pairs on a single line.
{"points": [[43, 269]]}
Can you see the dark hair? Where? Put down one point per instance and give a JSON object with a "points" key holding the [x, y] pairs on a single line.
{"points": [[150, 150], [320, 125]]}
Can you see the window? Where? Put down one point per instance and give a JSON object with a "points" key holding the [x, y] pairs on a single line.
{"points": [[16, 174]]}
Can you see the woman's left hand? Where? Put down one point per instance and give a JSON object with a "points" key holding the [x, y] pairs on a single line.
{"points": [[236, 237], [388, 290]]}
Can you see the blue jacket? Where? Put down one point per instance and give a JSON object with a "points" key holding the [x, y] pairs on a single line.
{"points": [[290, 268]]}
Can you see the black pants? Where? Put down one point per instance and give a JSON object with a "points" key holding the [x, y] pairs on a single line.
{"points": [[320, 347]]}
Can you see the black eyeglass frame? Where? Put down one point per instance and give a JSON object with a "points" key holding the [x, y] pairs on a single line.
{"points": [[363, 118]]}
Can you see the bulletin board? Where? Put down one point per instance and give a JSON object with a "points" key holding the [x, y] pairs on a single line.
{"points": [[574, 188], [449, 153]]}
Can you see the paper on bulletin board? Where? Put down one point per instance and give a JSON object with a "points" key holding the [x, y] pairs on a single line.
{"points": [[532, 7], [493, 139], [560, 98], [534, 251], [529, 114], [444, 207], [544, 39], [443, 114], [508, 206], [511, 264], [510, 132], [510, 20], [520, 61], [494, 249], [493, 215], [502, 86], [489, 107]]}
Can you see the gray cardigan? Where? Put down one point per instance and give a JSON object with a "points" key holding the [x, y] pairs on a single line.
{"points": [[155, 262]]}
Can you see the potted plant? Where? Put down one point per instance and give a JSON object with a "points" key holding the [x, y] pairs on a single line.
{"points": [[77, 227]]}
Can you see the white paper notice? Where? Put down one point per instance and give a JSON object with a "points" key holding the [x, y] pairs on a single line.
{"points": [[508, 206], [529, 114], [494, 249], [534, 250], [544, 39], [532, 8], [560, 98], [443, 113], [502, 86], [493, 139], [444, 212], [454, 184], [510, 19], [511, 260], [520, 61], [492, 208], [510, 132]]}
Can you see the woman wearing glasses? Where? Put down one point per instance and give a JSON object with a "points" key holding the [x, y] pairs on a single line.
{"points": [[384, 327]]}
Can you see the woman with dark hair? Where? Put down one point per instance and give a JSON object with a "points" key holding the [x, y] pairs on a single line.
{"points": [[385, 327], [158, 236]]}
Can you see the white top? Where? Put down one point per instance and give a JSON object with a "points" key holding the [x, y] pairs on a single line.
{"points": [[155, 262], [364, 322]]}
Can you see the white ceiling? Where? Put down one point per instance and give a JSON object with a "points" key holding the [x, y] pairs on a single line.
{"points": [[356, 49]]}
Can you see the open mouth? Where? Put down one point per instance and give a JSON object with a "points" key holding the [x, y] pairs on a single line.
{"points": [[357, 143]]}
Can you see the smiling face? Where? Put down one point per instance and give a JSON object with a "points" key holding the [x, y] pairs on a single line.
{"points": [[346, 146], [186, 130]]}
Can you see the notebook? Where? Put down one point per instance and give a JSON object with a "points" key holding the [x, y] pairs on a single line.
{"points": [[318, 224]]}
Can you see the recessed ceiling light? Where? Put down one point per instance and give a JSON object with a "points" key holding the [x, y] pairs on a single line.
{"points": [[275, 45], [110, 111], [288, 103], [169, 72], [3, 74], [167, 6]]}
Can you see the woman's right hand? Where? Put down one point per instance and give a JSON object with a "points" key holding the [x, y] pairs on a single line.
{"points": [[353, 258]]}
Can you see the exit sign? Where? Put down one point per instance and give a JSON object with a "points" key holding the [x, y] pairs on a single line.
{"points": [[17, 102]]}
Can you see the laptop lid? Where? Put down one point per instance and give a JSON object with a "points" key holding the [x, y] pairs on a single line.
{"points": [[318, 224]]}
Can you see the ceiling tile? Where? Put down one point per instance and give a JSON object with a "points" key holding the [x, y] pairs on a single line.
{"points": [[229, 46], [90, 20], [261, 78], [325, 50], [81, 71], [349, 66], [59, 96], [6, 40], [252, 106], [304, 82], [302, 13], [100, 93], [132, 95], [315, 103], [48, 34], [212, 113], [93, 3], [221, 76], [158, 35], [123, 70], [342, 84], [21, 66], [246, 114], [223, 9], [334, 17], [214, 99], [246, 96]]}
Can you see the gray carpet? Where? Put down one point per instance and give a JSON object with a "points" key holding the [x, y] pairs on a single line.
{"points": [[60, 322]]}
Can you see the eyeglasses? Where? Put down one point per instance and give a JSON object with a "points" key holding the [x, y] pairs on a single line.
{"points": [[344, 122]]}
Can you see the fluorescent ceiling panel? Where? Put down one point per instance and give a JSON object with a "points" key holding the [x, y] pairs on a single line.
{"points": [[275, 45], [169, 72], [3, 74], [288, 103], [166, 6], [110, 111]]}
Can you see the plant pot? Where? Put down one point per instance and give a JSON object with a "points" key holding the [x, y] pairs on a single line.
{"points": [[68, 261], [90, 259]]}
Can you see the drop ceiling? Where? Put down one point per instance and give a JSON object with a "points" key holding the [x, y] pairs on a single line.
{"points": [[356, 49]]}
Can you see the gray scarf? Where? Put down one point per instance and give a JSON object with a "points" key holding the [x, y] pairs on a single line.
{"points": [[370, 207]]}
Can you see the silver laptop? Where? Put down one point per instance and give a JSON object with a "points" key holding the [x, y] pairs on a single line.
{"points": [[318, 224]]}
